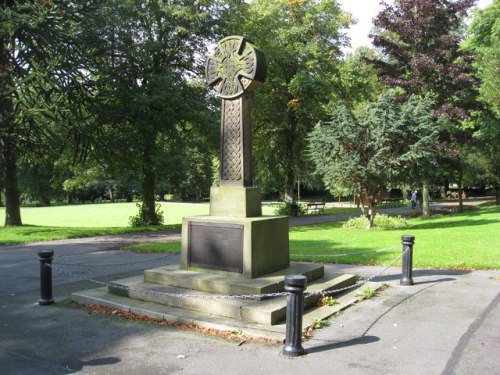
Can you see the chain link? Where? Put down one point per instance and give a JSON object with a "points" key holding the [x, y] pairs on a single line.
{"points": [[322, 293], [359, 283]]}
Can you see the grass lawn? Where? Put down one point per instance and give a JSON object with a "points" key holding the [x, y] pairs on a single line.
{"points": [[469, 240], [106, 214], [31, 233], [102, 214], [72, 221]]}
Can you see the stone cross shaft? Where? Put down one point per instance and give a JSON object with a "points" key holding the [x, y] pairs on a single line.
{"points": [[235, 70]]}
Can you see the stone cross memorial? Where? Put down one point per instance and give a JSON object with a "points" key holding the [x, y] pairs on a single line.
{"points": [[235, 239], [234, 71]]}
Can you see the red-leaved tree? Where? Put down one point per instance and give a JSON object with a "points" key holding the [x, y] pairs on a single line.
{"points": [[418, 41]]}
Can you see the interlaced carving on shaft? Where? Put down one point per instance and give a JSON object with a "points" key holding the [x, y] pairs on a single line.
{"points": [[231, 144]]}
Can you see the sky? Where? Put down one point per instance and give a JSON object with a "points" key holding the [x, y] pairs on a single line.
{"points": [[364, 11]]}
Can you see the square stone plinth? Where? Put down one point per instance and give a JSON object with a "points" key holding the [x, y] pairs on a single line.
{"points": [[235, 201], [246, 247]]}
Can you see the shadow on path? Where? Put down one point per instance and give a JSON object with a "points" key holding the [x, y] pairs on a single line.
{"points": [[337, 345]]}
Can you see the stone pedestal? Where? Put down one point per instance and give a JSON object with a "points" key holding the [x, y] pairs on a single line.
{"points": [[235, 201], [235, 246]]}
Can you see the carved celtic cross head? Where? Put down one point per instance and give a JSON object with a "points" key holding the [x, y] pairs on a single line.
{"points": [[235, 68]]}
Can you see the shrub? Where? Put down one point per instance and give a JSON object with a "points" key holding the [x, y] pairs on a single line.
{"points": [[140, 220], [284, 209], [381, 221]]}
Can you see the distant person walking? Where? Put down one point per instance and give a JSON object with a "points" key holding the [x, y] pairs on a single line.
{"points": [[414, 199]]}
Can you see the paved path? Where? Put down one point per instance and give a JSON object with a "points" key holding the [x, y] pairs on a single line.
{"points": [[447, 323]]}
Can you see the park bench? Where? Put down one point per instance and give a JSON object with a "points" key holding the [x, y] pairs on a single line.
{"points": [[315, 207]]}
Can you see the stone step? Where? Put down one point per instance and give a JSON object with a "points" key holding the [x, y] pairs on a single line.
{"points": [[171, 275], [100, 296], [268, 311]]}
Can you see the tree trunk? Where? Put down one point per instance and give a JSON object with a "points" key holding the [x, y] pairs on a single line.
{"points": [[497, 194], [7, 145], [289, 187], [372, 211], [460, 194], [111, 195], [12, 205], [425, 200], [148, 183]]}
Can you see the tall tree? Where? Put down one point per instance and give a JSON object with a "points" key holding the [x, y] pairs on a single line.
{"points": [[302, 41], [41, 71], [420, 52], [484, 42], [366, 152], [151, 53]]}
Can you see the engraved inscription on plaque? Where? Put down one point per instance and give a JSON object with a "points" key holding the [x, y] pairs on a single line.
{"points": [[216, 246]]}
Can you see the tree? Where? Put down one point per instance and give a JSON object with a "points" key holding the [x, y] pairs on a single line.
{"points": [[484, 42], [148, 88], [359, 80], [366, 152], [42, 69], [482, 165], [420, 52], [301, 40]]}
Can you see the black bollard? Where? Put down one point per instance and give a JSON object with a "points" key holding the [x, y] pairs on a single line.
{"points": [[406, 276], [295, 285], [45, 257]]}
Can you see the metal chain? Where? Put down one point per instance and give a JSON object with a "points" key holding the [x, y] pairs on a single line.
{"points": [[110, 264], [359, 283], [322, 293], [166, 294]]}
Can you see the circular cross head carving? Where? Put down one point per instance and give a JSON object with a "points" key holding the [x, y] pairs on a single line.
{"points": [[235, 68]]}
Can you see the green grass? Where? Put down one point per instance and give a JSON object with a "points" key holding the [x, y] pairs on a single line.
{"points": [[73, 221], [106, 214], [31, 233], [469, 240], [102, 214]]}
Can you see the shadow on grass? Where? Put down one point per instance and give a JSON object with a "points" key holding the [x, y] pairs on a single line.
{"points": [[452, 224], [334, 252]]}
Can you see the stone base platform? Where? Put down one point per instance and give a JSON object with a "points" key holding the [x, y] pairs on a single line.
{"points": [[164, 287], [158, 311]]}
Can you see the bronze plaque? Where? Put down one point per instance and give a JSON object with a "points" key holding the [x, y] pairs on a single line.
{"points": [[216, 246]]}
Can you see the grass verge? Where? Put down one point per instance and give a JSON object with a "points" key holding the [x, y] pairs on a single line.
{"points": [[31, 233], [468, 240]]}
